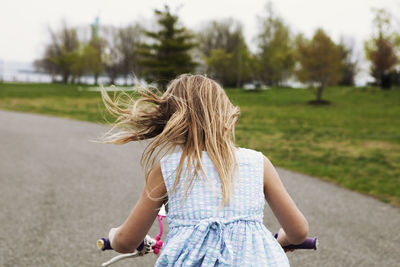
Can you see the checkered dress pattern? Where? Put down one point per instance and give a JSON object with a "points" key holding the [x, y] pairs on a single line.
{"points": [[202, 233]]}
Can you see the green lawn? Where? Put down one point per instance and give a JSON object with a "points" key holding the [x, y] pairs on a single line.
{"points": [[354, 142]]}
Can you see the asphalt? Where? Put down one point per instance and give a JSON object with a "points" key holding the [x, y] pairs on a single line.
{"points": [[59, 193]]}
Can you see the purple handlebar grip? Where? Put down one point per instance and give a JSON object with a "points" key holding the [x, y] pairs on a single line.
{"points": [[309, 243], [107, 245]]}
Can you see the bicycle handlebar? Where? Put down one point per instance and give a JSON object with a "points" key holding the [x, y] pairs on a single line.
{"points": [[105, 244], [148, 245], [154, 245], [309, 243]]}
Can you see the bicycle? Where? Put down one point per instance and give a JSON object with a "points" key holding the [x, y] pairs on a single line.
{"points": [[154, 245]]}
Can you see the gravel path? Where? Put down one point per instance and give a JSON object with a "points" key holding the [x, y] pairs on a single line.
{"points": [[59, 193]]}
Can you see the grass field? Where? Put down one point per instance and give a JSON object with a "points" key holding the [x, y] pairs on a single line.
{"points": [[354, 142]]}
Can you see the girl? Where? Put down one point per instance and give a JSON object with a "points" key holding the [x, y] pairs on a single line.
{"points": [[215, 190]]}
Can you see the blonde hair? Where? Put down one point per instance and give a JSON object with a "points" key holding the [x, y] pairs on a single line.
{"points": [[194, 113]]}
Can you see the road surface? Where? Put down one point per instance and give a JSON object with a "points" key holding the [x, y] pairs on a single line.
{"points": [[59, 193]]}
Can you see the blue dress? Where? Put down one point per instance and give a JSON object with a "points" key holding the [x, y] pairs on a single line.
{"points": [[201, 233]]}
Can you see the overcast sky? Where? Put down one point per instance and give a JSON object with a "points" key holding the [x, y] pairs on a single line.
{"points": [[23, 23]]}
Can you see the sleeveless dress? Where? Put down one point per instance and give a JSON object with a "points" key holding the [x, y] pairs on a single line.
{"points": [[202, 233]]}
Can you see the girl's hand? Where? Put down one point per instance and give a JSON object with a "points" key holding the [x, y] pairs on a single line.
{"points": [[288, 250], [112, 233], [282, 240]]}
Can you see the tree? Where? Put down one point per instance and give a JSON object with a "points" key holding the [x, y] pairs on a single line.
{"points": [[67, 44], [383, 59], [130, 38], [320, 62], [121, 53], [93, 58], [219, 66], [167, 55], [46, 64], [222, 34], [78, 67], [380, 49], [275, 57], [225, 52], [112, 54], [61, 53]]}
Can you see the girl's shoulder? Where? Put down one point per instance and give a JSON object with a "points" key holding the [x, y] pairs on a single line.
{"points": [[171, 156], [246, 149], [243, 152]]}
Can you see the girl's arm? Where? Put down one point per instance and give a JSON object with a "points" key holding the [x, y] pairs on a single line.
{"points": [[131, 233], [295, 226]]}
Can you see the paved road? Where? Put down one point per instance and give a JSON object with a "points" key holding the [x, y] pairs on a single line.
{"points": [[59, 193]]}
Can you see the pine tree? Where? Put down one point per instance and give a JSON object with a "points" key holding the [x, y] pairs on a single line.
{"points": [[168, 54]]}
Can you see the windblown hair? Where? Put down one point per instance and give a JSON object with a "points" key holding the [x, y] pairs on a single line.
{"points": [[193, 114]]}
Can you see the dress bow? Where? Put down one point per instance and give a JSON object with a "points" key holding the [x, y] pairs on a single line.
{"points": [[221, 250]]}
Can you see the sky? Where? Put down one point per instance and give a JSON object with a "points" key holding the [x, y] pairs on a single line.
{"points": [[24, 23]]}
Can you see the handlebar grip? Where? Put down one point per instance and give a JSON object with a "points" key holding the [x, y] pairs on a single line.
{"points": [[309, 243], [105, 244]]}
